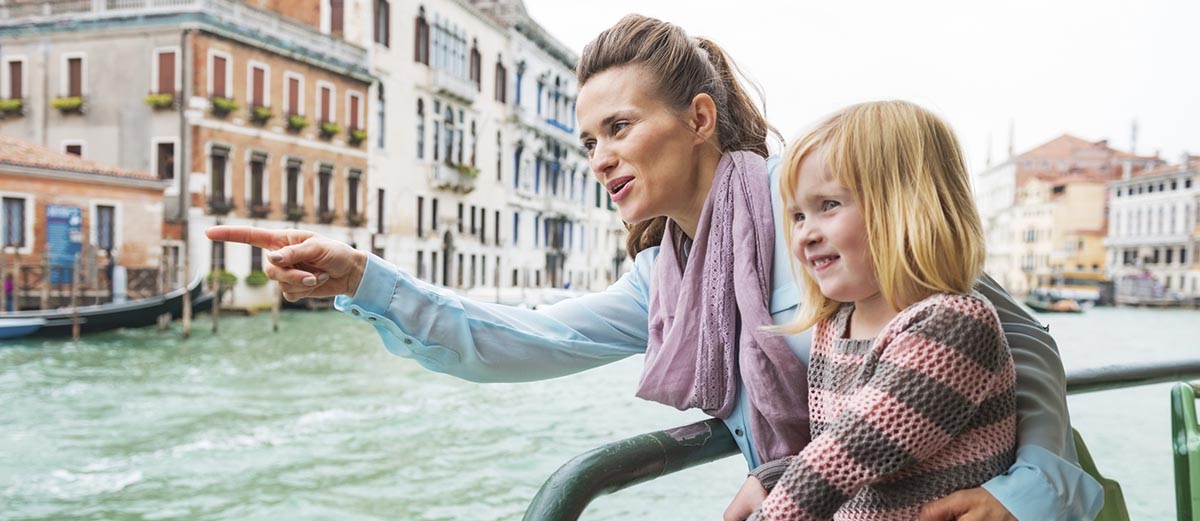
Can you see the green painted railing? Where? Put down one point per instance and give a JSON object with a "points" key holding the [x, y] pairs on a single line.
{"points": [[1185, 433], [642, 458]]}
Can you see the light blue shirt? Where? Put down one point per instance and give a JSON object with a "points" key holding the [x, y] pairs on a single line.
{"points": [[485, 342]]}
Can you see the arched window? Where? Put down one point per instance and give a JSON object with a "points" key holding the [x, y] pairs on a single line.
{"points": [[420, 129], [421, 38]]}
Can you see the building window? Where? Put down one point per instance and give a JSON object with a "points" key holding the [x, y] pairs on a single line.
{"points": [[473, 143], [496, 228], [294, 94], [383, 23], [324, 183], [379, 207], [74, 77], [476, 67], [499, 154], [105, 228], [421, 36], [354, 185], [448, 135], [294, 167], [460, 217], [256, 263], [75, 149], [433, 214], [16, 80], [165, 79], [501, 82], [379, 127], [354, 105], [420, 264], [258, 164], [217, 161], [420, 129], [164, 160], [325, 103], [219, 76], [516, 227], [337, 17], [420, 216], [259, 88], [14, 222], [433, 267]]}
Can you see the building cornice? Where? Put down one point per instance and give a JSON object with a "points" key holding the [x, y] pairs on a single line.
{"points": [[84, 177]]}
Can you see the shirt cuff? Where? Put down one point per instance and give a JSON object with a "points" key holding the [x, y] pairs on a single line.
{"points": [[375, 290], [1042, 486]]}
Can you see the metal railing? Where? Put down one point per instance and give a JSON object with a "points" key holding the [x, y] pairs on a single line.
{"points": [[639, 459], [1185, 435]]}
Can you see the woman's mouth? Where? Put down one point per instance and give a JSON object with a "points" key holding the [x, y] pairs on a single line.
{"points": [[619, 188]]}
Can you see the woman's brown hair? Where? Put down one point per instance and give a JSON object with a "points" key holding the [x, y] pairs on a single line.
{"points": [[683, 67]]}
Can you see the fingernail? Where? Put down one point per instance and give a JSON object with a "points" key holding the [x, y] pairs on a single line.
{"points": [[310, 281], [322, 278], [275, 256]]}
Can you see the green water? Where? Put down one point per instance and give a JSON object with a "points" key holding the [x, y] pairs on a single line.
{"points": [[318, 421]]}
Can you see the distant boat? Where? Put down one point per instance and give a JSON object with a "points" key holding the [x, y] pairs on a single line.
{"points": [[103, 317], [19, 327], [1045, 301]]}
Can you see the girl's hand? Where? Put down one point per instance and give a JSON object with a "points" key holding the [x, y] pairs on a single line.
{"points": [[748, 498], [305, 264], [974, 504]]}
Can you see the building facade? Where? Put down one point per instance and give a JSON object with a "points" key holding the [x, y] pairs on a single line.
{"points": [[252, 115], [1154, 227]]}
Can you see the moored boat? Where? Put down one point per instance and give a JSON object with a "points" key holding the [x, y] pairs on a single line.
{"points": [[19, 327]]}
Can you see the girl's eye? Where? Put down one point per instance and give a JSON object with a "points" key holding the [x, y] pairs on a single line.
{"points": [[828, 205], [798, 217], [588, 146]]}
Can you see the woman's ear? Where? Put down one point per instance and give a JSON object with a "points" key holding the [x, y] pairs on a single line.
{"points": [[702, 117]]}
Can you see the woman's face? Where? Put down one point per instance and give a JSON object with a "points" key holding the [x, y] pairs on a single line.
{"points": [[639, 149]]}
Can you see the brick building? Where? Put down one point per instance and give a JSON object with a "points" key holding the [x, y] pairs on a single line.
{"points": [[114, 203]]}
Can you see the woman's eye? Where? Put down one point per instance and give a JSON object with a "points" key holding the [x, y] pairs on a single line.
{"points": [[829, 205], [619, 126]]}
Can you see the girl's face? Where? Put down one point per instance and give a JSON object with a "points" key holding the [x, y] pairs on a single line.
{"points": [[829, 234], [638, 148]]}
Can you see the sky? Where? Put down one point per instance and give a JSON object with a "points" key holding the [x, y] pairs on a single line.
{"points": [[1041, 68]]}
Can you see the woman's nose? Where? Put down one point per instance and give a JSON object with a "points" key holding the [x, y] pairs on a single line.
{"points": [[602, 160]]}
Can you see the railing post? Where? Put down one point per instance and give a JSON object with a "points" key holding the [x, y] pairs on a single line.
{"points": [[1185, 434]]}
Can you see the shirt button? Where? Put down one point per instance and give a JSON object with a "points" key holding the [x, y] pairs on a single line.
{"points": [[737, 432], [371, 319], [354, 311]]}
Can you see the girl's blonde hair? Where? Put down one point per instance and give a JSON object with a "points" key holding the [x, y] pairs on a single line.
{"points": [[907, 173]]}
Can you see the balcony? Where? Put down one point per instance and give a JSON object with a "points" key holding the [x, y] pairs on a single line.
{"points": [[454, 178], [444, 82], [231, 15]]}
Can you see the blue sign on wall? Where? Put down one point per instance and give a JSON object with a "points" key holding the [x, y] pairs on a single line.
{"points": [[64, 238]]}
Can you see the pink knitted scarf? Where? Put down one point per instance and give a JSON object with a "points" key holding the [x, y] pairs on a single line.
{"points": [[706, 317]]}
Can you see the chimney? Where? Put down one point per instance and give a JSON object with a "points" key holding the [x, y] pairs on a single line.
{"points": [[1126, 168]]}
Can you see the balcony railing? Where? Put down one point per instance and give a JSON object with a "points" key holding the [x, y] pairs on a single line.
{"points": [[455, 178], [268, 25], [443, 81]]}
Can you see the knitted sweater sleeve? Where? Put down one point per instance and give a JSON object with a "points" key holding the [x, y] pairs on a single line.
{"points": [[927, 375]]}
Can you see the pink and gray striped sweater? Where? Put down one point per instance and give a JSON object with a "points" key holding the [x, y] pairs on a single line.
{"points": [[922, 410]]}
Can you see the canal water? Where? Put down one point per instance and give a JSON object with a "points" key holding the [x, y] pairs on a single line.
{"points": [[318, 421]]}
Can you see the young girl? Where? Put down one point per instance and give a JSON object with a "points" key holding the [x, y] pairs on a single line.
{"points": [[911, 380]]}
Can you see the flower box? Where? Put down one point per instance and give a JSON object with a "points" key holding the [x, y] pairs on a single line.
{"points": [[296, 122], [357, 136], [160, 101], [68, 105], [356, 219], [326, 216], [256, 279], [295, 213], [261, 115], [259, 210], [329, 130], [12, 107], [221, 107], [220, 206]]}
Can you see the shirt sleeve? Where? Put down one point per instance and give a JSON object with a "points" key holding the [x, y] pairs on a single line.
{"points": [[487, 342], [1046, 482], [926, 386]]}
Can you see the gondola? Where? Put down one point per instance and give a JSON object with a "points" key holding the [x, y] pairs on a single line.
{"points": [[104, 317]]}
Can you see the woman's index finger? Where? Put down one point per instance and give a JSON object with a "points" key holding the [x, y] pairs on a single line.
{"points": [[260, 237]]}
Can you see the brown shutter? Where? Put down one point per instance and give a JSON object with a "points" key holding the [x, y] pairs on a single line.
{"points": [[218, 72], [14, 78], [354, 112], [324, 105], [336, 17], [293, 96], [166, 73], [75, 77], [258, 87]]}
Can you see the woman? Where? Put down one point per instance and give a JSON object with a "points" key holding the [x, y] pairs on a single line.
{"points": [[681, 148]]}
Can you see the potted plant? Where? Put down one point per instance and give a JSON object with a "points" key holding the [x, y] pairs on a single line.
{"points": [[68, 104], [12, 107], [326, 216], [356, 219], [160, 101], [220, 206], [226, 278], [261, 115], [295, 213], [357, 136], [296, 122], [221, 107], [329, 130], [259, 210], [467, 171], [256, 279]]}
